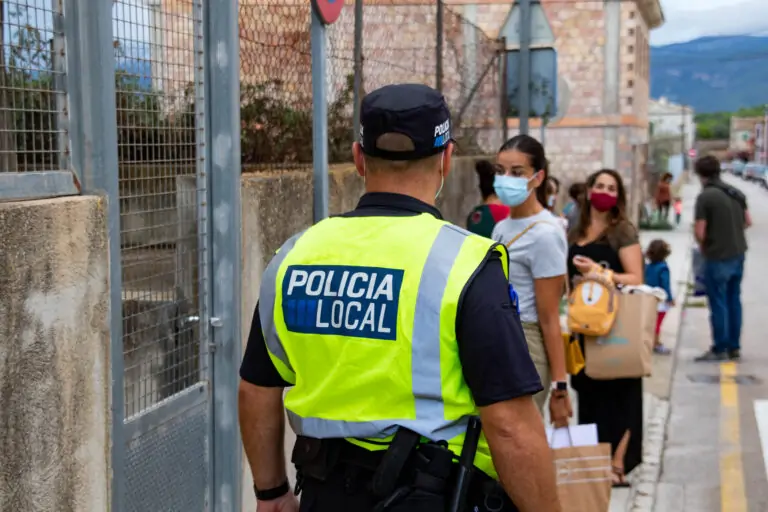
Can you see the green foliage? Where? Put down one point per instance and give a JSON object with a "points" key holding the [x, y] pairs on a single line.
{"points": [[277, 131], [656, 225], [717, 125]]}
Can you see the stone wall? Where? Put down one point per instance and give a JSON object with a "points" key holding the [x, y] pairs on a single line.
{"points": [[54, 356]]}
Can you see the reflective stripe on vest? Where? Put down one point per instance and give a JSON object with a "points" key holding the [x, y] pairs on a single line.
{"points": [[425, 356], [267, 302]]}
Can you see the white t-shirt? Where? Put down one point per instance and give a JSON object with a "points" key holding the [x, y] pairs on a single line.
{"points": [[538, 254]]}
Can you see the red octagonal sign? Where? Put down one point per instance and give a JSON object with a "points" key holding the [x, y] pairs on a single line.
{"points": [[328, 10]]}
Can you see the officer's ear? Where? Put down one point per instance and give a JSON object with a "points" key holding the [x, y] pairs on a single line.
{"points": [[447, 156], [358, 158]]}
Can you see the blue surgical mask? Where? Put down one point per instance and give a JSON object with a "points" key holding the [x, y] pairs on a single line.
{"points": [[512, 190]]}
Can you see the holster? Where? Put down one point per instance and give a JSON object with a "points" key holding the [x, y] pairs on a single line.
{"points": [[315, 458]]}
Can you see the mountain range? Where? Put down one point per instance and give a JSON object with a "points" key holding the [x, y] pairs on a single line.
{"points": [[712, 74]]}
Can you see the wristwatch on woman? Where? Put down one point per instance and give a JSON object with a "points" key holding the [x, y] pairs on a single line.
{"points": [[559, 389]]}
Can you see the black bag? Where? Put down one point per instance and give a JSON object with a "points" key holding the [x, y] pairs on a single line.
{"points": [[732, 192]]}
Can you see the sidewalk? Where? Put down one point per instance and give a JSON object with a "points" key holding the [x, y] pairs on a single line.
{"points": [[640, 497], [717, 439]]}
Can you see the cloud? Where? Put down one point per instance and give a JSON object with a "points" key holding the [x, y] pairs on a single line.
{"points": [[711, 18]]}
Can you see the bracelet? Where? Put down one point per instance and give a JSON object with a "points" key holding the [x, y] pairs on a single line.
{"points": [[273, 493]]}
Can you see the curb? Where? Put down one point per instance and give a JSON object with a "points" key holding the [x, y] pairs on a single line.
{"points": [[645, 486]]}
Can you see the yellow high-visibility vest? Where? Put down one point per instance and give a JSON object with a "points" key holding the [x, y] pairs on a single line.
{"points": [[359, 315]]}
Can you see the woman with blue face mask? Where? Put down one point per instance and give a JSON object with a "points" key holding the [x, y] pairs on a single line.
{"points": [[537, 246]]}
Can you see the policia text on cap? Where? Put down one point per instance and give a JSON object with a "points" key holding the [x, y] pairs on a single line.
{"points": [[393, 330]]}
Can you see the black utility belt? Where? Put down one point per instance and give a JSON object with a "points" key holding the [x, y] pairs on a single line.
{"points": [[390, 475]]}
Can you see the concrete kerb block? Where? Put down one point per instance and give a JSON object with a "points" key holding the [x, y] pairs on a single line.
{"points": [[644, 491]]}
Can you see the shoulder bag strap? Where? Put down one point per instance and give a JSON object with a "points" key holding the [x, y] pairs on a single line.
{"points": [[520, 234], [528, 228]]}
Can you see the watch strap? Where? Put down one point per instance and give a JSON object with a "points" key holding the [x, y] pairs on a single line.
{"points": [[559, 386], [273, 493]]}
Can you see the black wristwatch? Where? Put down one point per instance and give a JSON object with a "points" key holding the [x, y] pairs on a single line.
{"points": [[273, 493], [560, 386]]}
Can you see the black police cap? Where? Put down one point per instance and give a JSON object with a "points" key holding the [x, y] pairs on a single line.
{"points": [[414, 110]]}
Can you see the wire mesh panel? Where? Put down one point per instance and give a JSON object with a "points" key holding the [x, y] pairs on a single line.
{"points": [[163, 217], [276, 85], [33, 113], [471, 84], [470, 68]]}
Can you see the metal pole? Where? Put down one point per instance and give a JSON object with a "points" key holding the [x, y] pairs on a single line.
{"points": [[683, 141], [439, 47], [544, 132], [319, 119], [222, 91], [765, 137], [358, 57], [93, 130], [524, 88], [504, 93], [58, 64]]}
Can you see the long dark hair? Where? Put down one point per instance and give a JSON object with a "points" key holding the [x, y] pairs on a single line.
{"points": [[485, 175], [618, 214], [538, 160]]}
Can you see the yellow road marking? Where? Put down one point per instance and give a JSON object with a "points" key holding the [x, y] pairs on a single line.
{"points": [[733, 497]]}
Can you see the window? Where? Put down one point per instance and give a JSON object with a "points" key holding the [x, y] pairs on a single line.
{"points": [[631, 48], [632, 14], [629, 100], [630, 66], [631, 32], [630, 84]]}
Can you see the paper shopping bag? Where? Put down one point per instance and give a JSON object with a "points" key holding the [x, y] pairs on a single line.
{"points": [[627, 351], [584, 478]]}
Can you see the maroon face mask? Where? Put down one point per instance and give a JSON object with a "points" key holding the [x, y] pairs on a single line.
{"points": [[602, 202]]}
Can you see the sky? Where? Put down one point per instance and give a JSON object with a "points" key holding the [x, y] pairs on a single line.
{"points": [[690, 19]]}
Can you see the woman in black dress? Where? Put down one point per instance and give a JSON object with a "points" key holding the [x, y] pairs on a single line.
{"points": [[604, 236]]}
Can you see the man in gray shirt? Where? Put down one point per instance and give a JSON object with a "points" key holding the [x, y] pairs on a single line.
{"points": [[722, 215]]}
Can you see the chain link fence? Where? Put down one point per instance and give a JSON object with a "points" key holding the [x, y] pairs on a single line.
{"points": [[33, 102], [399, 44]]}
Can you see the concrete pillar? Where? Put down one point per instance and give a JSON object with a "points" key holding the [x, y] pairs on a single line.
{"points": [[54, 356]]}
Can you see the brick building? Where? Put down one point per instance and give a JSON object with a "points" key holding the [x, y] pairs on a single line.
{"points": [[603, 66], [603, 56], [744, 133]]}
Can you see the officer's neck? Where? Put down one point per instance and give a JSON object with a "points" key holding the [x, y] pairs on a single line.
{"points": [[416, 185]]}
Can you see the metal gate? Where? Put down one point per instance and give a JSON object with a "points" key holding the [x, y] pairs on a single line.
{"points": [[165, 259], [146, 81]]}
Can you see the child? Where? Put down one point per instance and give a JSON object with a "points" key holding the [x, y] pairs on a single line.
{"points": [[678, 210], [657, 275]]}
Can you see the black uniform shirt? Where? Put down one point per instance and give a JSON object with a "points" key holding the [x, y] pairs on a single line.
{"points": [[492, 347]]}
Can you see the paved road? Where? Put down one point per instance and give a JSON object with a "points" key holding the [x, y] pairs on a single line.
{"points": [[713, 458]]}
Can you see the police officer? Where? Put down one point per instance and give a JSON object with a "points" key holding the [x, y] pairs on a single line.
{"points": [[392, 328]]}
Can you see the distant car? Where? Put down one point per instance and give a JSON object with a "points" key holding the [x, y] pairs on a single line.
{"points": [[750, 171], [737, 167], [761, 174], [754, 172]]}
